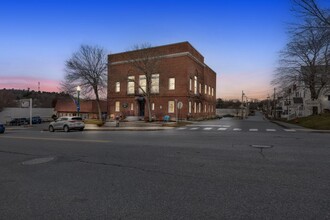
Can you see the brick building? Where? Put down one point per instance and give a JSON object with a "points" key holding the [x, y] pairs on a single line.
{"points": [[181, 76]]}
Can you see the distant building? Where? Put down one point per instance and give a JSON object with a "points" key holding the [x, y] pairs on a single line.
{"points": [[182, 77], [88, 108]]}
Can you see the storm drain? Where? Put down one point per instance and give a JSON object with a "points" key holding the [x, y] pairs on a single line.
{"points": [[38, 161]]}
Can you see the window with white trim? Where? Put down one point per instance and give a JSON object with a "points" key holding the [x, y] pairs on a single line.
{"points": [[209, 90], [117, 106], [189, 106], [195, 107], [154, 83], [205, 108], [130, 85], [212, 92], [142, 84], [205, 88], [199, 107], [170, 106], [200, 88], [171, 84], [117, 86], [132, 106], [195, 84], [152, 106], [190, 84]]}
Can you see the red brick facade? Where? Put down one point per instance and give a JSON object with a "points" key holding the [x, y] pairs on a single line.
{"points": [[179, 61]]}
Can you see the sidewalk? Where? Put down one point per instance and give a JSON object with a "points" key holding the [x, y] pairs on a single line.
{"points": [[297, 127], [131, 126]]}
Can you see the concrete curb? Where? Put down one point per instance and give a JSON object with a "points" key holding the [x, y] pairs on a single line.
{"points": [[298, 128]]}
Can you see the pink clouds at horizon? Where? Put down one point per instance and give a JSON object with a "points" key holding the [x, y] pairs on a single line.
{"points": [[255, 86], [23, 82]]}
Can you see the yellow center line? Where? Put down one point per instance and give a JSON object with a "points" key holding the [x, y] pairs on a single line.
{"points": [[56, 139]]}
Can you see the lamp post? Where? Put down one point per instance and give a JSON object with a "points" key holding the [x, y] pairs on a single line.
{"points": [[78, 101]]}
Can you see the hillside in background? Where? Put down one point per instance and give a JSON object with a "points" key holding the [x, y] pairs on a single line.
{"points": [[12, 97]]}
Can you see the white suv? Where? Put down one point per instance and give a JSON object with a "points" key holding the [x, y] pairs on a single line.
{"points": [[67, 123]]}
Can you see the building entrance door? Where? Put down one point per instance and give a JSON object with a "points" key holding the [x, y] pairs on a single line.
{"points": [[141, 107]]}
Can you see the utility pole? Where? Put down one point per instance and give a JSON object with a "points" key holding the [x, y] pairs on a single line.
{"points": [[242, 103], [274, 103]]}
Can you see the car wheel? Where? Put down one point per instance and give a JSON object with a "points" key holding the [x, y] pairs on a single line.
{"points": [[51, 129], [81, 129], [66, 128]]}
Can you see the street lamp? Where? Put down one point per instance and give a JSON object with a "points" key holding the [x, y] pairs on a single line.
{"points": [[78, 101]]}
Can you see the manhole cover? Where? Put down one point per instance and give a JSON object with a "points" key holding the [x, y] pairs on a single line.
{"points": [[38, 161]]}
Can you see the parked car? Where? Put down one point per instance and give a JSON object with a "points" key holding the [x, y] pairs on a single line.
{"points": [[35, 120], [66, 124], [2, 128], [19, 121]]}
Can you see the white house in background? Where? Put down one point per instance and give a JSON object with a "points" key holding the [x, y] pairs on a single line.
{"points": [[297, 102]]}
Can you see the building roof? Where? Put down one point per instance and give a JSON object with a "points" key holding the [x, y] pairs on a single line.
{"points": [[86, 106], [160, 51]]}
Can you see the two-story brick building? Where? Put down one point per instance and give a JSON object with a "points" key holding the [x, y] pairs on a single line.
{"points": [[181, 76]]}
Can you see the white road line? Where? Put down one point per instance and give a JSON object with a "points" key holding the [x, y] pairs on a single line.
{"points": [[225, 126], [183, 128], [207, 129], [253, 129], [237, 129], [222, 129], [290, 130], [194, 128], [270, 129]]}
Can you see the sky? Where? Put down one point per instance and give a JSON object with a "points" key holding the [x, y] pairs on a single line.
{"points": [[239, 39]]}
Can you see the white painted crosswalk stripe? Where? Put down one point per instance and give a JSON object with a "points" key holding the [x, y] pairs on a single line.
{"points": [[222, 129], [253, 129], [290, 130], [237, 129], [194, 128], [182, 128], [207, 129], [270, 129]]}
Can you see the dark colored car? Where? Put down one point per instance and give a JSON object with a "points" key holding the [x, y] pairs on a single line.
{"points": [[19, 121], [2, 128], [35, 120]]}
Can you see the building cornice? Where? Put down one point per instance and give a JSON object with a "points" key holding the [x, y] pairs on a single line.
{"points": [[161, 57]]}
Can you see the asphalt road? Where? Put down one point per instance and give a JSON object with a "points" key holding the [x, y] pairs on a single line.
{"points": [[172, 174]]}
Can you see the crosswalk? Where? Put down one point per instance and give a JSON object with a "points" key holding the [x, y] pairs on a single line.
{"points": [[228, 128]]}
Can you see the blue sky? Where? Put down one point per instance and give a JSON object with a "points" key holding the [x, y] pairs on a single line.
{"points": [[239, 39]]}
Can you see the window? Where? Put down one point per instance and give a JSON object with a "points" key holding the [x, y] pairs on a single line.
{"points": [[154, 83], [195, 85], [205, 108], [117, 106], [328, 97], [152, 106], [117, 86], [132, 106], [130, 85], [200, 88], [199, 107], [171, 107], [212, 92], [205, 89], [171, 84], [209, 90], [142, 84], [190, 84], [189, 107], [195, 107]]}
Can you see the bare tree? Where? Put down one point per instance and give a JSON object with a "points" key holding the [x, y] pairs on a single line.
{"points": [[144, 61], [305, 59], [310, 9], [87, 68]]}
